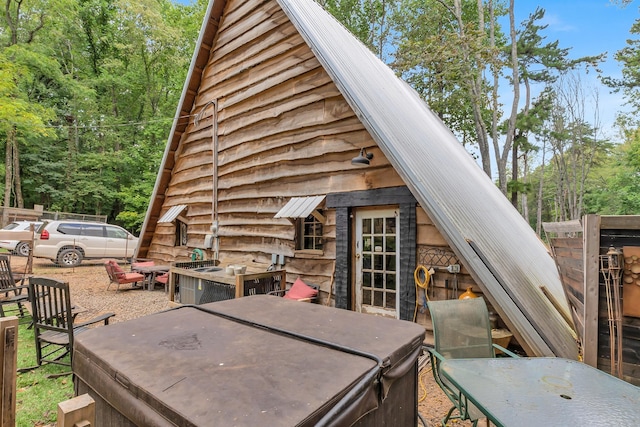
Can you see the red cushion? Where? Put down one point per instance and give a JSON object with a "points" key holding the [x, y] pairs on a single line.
{"points": [[163, 278], [116, 267], [131, 277], [143, 264], [300, 290]]}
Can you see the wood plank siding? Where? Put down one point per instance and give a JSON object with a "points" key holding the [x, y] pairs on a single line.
{"points": [[282, 130]]}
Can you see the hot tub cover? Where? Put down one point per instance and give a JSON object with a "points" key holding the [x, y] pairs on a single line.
{"points": [[258, 360]]}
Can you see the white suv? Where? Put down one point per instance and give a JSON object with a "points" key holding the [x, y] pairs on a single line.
{"points": [[19, 247], [68, 242]]}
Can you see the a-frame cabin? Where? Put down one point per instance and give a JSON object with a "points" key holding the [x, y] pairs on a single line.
{"points": [[280, 106]]}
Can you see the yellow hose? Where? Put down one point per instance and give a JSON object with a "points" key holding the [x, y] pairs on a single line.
{"points": [[423, 388], [423, 284], [427, 276]]}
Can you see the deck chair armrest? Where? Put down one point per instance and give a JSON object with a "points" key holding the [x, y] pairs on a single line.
{"points": [[281, 292], [434, 354], [102, 318], [505, 351], [278, 292], [18, 289]]}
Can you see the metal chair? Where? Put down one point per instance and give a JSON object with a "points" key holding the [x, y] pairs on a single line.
{"points": [[300, 291], [163, 279], [53, 316], [12, 297], [120, 277], [461, 330]]}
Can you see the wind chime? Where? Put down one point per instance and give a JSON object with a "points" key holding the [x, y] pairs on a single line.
{"points": [[611, 269]]}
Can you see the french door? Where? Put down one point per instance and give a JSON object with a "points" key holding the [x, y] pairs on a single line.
{"points": [[377, 259]]}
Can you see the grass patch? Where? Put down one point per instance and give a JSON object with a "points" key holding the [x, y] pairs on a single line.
{"points": [[37, 396]]}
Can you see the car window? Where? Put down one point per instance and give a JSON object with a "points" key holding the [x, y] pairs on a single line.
{"points": [[71, 229], [116, 233], [11, 226], [93, 230]]}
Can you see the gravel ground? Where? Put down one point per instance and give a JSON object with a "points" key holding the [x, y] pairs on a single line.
{"points": [[89, 281]]}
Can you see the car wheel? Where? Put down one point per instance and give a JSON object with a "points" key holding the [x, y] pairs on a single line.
{"points": [[23, 249], [69, 257]]}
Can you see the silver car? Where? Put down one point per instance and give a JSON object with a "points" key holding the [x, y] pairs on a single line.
{"points": [[68, 242], [18, 247]]}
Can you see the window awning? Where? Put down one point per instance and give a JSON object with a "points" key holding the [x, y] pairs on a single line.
{"points": [[172, 213], [300, 207]]}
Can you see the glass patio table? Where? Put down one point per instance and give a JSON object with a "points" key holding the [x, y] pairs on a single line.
{"points": [[544, 391]]}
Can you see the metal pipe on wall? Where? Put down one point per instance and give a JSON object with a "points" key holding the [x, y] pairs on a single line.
{"points": [[214, 172]]}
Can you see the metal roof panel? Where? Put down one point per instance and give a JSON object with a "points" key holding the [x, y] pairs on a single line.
{"points": [[172, 213], [299, 207], [499, 248]]}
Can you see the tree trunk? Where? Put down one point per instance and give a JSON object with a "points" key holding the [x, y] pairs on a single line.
{"points": [[501, 158], [514, 175], [8, 166], [525, 179], [540, 188], [16, 176], [495, 103], [474, 84]]}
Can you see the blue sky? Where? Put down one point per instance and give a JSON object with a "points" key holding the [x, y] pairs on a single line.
{"points": [[588, 27]]}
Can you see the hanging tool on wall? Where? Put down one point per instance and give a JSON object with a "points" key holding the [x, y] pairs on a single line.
{"points": [[440, 259], [422, 278], [454, 269]]}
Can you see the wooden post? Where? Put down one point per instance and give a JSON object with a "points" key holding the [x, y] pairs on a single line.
{"points": [[591, 237], [29, 267], [172, 285], [9, 357], [77, 412]]}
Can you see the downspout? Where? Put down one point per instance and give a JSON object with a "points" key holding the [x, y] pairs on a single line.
{"points": [[214, 149]]}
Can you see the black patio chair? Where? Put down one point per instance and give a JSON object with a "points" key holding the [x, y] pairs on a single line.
{"points": [[14, 294]]}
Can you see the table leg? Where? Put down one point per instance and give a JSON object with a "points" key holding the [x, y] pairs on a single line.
{"points": [[152, 281]]}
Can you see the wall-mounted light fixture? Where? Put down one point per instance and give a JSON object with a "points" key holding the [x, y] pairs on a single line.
{"points": [[362, 159]]}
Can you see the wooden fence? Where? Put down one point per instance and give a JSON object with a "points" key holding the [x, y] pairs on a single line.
{"points": [[8, 374], [9, 215]]}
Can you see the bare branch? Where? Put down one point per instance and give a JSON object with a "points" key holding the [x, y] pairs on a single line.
{"points": [[35, 30]]}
